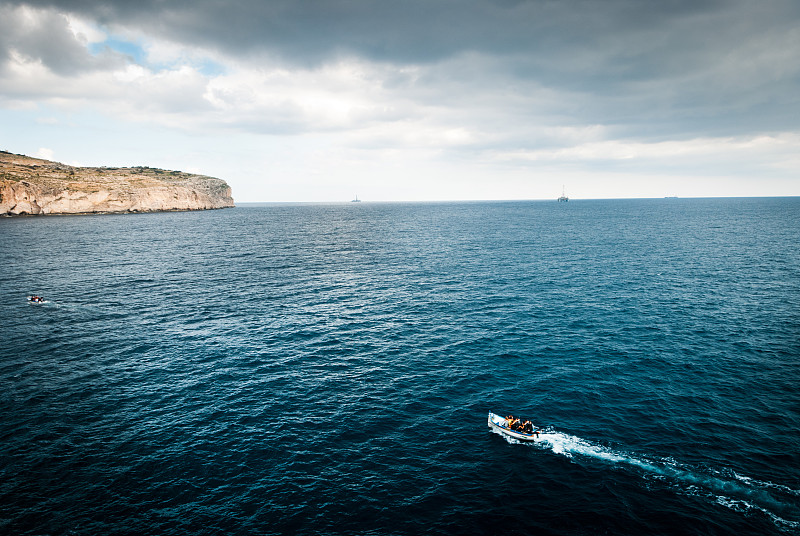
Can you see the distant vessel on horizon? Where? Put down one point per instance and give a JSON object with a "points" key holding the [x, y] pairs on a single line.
{"points": [[356, 200], [563, 197]]}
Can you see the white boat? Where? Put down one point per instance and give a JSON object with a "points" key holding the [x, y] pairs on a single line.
{"points": [[496, 422]]}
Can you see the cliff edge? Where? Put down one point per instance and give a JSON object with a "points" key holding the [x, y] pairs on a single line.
{"points": [[35, 186]]}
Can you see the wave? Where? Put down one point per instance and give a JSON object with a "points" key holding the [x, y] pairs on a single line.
{"points": [[725, 487], [68, 306]]}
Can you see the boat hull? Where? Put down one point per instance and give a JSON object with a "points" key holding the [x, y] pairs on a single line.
{"points": [[498, 423]]}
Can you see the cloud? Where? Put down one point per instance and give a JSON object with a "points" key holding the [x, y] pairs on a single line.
{"points": [[695, 68], [414, 31], [630, 150], [45, 37], [45, 153]]}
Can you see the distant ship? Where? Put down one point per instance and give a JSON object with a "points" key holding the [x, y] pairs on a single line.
{"points": [[563, 197], [356, 200]]}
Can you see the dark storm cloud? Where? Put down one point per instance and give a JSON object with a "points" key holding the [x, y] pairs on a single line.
{"points": [[594, 43], [424, 30], [46, 37], [696, 65]]}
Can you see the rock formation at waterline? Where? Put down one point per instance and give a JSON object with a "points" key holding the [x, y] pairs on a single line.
{"points": [[34, 186]]}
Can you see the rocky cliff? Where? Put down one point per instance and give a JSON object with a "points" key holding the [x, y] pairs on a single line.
{"points": [[34, 186]]}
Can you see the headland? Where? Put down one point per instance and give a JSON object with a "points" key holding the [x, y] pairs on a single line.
{"points": [[32, 186]]}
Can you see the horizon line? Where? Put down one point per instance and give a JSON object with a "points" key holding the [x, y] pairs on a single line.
{"points": [[553, 199]]}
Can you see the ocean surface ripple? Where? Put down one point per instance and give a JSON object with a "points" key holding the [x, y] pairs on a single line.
{"points": [[328, 368]]}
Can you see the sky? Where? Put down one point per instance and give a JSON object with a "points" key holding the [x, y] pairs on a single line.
{"points": [[414, 100]]}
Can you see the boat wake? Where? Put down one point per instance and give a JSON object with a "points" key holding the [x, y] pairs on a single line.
{"points": [[725, 487]]}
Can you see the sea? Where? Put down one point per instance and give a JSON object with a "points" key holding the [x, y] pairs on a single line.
{"points": [[329, 369]]}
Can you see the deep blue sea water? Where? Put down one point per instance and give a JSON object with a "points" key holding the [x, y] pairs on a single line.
{"points": [[328, 369]]}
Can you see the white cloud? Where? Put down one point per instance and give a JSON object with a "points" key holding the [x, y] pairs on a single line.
{"points": [[130, 73], [85, 31], [45, 153], [609, 150]]}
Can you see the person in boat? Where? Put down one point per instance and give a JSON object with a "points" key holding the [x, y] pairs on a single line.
{"points": [[527, 427], [510, 421]]}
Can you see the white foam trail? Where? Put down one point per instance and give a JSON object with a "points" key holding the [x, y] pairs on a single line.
{"points": [[779, 487], [740, 493], [745, 507], [569, 445]]}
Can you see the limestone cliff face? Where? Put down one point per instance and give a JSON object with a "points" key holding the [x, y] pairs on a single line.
{"points": [[35, 186]]}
